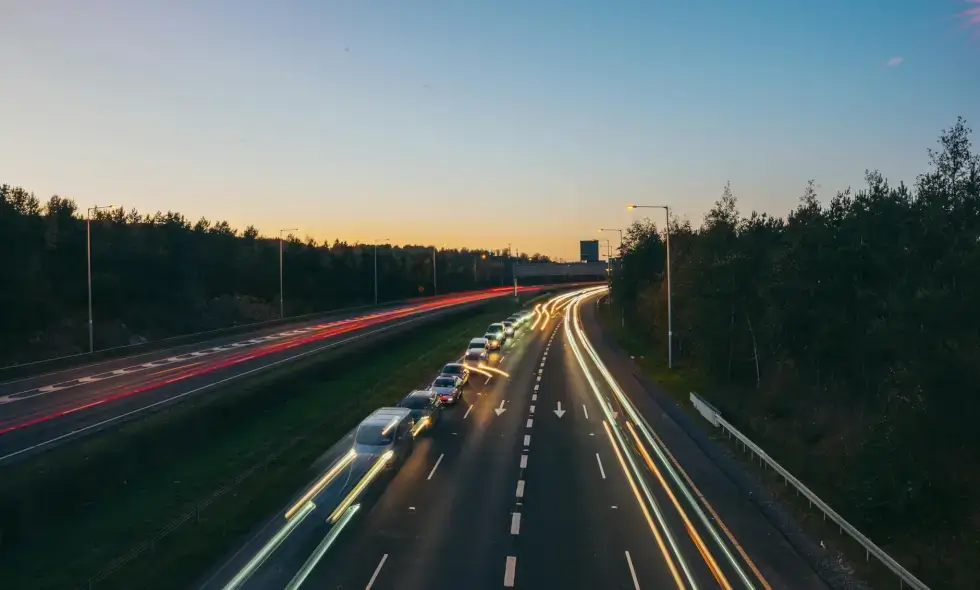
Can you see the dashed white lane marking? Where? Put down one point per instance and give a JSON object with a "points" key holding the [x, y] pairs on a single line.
{"points": [[377, 571], [602, 471], [540, 371], [520, 488], [515, 523], [532, 408], [584, 409], [527, 440], [629, 562], [534, 397], [536, 386], [530, 422], [439, 460], [487, 381], [542, 364], [470, 409], [510, 570], [539, 377], [523, 461]]}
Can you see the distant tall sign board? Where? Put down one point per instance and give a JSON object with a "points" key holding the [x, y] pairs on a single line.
{"points": [[589, 251]]}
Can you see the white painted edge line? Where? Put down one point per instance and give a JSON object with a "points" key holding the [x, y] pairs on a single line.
{"points": [[520, 488], [629, 562], [523, 461], [510, 570], [468, 410], [527, 440], [530, 422], [602, 471], [515, 523], [384, 558], [439, 460], [584, 409]]}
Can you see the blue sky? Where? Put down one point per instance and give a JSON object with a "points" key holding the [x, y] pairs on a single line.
{"points": [[472, 122]]}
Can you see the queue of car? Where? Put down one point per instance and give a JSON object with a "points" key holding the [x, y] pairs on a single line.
{"points": [[395, 428]]}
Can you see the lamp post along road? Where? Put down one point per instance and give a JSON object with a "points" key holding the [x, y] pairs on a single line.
{"points": [[670, 326], [282, 299], [619, 250], [88, 256], [376, 269]]}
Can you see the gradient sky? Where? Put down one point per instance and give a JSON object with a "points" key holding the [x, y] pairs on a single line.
{"points": [[472, 122]]}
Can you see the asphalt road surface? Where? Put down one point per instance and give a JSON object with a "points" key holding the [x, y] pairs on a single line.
{"points": [[38, 412], [549, 478]]}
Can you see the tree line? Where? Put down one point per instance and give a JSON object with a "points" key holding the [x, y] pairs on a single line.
{"points": [[159, 275], [845, 338]]}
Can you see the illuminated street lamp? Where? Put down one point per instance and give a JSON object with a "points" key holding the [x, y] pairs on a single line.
{"points": [[670, 328]]}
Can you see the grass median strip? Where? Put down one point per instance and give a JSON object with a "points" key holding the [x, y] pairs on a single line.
{"points": [[86, 504]]}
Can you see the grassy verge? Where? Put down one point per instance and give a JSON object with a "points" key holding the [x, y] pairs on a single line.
{"points": [[83, 505], [679, 382]]}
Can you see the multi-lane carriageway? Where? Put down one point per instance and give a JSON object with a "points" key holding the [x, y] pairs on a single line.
{"points": [[40, 411], [563, 474]]}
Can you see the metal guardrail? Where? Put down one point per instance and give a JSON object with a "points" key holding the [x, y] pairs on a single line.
{"points": [[904, 576]]}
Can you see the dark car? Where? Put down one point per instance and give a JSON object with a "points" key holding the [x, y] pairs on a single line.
{"points": [[456, 370], [425, 406]]}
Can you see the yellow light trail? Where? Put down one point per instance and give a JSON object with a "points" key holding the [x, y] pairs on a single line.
{"points": [[361, 485], [322, 483], [712, 564], [643, 507], [493, 370], [648, 434], [420, 425]]}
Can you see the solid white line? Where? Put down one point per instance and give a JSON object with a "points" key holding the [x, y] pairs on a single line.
{"points": [[527, 440], [509, 571], [381, 565], [629, 562], [439, 460], [530, 422], [523, 461], [532, 408], [520, 488], [584, 409], [515, 523], [602, 471], [470, 409]]}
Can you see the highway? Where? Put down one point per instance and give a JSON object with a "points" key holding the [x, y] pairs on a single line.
{"points": [[561, 474], [40, 411]]}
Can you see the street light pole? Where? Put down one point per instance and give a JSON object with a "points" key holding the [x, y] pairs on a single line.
{"points": [[88, 256], [376, 269], [282, 300], [435, 284], [670, 327]]}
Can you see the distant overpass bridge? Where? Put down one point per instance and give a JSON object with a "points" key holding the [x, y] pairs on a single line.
{"points": [[560, 270]]}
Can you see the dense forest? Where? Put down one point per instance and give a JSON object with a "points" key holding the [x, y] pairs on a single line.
{"points": [[160, 275], [845, 338]]}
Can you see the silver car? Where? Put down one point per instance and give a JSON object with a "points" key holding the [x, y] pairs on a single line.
{"points": [[476, 350], [448, 389], [386, 429]]}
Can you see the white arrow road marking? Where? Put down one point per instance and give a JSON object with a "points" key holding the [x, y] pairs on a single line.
{"points": [[559, 412], [501, 409]]}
